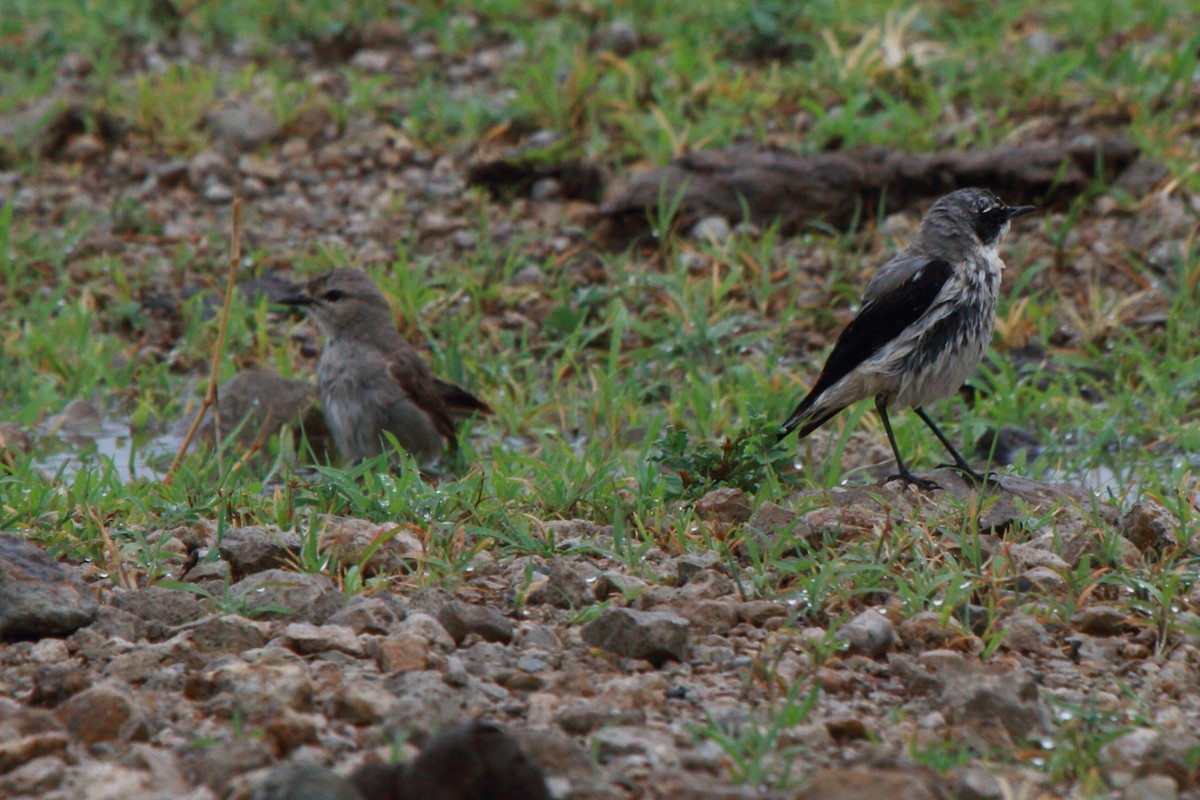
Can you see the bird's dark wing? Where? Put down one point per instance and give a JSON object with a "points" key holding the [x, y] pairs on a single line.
{"points": [[409, 370], [458, 400], [882, 318]]}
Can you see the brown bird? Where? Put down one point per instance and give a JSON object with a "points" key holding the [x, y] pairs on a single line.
{"points": [[371, 381]]}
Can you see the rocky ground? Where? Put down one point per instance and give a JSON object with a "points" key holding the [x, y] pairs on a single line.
{"points": [[163, 693], [661, 680]]}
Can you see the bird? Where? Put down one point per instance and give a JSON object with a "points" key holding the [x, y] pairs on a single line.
{"points": [[925, 322], [370, 380]]}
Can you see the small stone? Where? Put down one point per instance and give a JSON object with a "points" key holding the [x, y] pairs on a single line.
{"points": [[224, 634], [278, 593], [976, 783], [708, 616], [377, 614], [1103, 620], [15, 752], [244, 126], [1042, 579], [655, 636], [252, 689], [618, 36], [362, 702], [1152, 787], [1000, 704], [85, 148], [1128, 750], [545, 189], [160, 609], [870, 634], [304, 782], [564, 587], [170, 174], [728, 505], [34, 778], [711, 229], [1149, 526], [208, 165], [49, 651], [386, 547], [429, 629], [689, 566], [306, 639], [217, 193], [846, 729], [579, 720], [402, 653], [771, 521], [462, 619], [625, 740], [854, 783]]}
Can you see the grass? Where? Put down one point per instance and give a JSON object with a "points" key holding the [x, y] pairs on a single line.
{"points": [[622, 400]]}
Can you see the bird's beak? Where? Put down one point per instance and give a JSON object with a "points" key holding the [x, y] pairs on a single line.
{"points": [[296, 298], [1020, 211]]}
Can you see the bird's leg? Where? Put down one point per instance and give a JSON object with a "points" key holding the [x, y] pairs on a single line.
{"points": [[903, 474], [960, 464]]}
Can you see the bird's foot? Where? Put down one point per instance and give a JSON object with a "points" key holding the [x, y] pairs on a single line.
{"points": [[912, 480], [971, 476]]}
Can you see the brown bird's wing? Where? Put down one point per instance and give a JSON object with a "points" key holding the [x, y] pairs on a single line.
{"points": [[409, 370]]}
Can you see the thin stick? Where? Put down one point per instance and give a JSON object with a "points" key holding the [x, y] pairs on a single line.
{"points": [[210, 397]]}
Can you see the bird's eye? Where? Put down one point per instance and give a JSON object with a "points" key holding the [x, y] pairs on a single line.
{"points": [[334, 295]]}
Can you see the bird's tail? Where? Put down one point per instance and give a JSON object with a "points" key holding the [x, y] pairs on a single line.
{"points": [[808, 416], [459, 402]]}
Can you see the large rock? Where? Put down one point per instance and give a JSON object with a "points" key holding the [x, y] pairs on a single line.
{"points": [[280, 594], [855, 783], [104, 713], [870, 634], [656, 636], [304, 782], [39, 596], [460, 619], [472, 762], [256, 548]]}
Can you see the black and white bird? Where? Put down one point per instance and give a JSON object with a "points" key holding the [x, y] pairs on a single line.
{"points": [[925, 323]]}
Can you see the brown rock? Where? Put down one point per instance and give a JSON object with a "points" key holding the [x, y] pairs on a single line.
{"points": [[726, 504], [856, 783], [1149, 526], [306, 639], [402, 653], [390, 546], [34, 778], [15, 752], [103, 713]]}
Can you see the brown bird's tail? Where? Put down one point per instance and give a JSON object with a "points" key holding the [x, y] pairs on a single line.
{"points": [[459, 402]]}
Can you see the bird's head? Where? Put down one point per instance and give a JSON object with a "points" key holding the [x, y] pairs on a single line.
{"points": [[342, 302], [973, 212]]}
